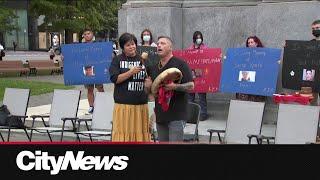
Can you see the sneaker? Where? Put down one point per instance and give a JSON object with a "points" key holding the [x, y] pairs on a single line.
{"points": [[90, 111]]}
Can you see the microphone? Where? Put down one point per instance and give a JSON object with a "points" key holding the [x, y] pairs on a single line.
{"points": [[144, 58]]}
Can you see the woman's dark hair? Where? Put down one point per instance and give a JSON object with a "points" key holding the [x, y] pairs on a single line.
{"points": [[126, 37], [141, 36], [256, 40], [195, 36]]}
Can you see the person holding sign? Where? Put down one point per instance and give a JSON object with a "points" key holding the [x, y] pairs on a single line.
{"points": [[130, 114], [88, 38], [170, 119], [252, 42], [198, 44], [146, 38]]}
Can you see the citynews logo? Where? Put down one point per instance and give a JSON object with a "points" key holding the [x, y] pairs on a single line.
{"points": [[27, 160]]}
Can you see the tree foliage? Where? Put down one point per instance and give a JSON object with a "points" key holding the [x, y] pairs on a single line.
{"points": [[7, 18], [75, 15]]}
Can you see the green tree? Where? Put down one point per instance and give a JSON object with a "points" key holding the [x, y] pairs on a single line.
{"points": [[74, 16], [7, 18]]}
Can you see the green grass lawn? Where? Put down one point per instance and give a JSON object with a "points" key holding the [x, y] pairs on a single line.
{"points": [[36, 88]]}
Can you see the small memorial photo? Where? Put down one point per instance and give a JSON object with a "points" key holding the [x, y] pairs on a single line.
{"points": [[308, 74], [88, 71], [247, 76], [197, 73]]}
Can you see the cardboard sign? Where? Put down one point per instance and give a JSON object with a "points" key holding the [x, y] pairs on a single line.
{"points": [[301, 63], [250, 71], [205, 66], [87, 63]]}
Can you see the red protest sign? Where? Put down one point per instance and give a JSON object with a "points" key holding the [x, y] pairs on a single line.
{"points": [[205, 65]]}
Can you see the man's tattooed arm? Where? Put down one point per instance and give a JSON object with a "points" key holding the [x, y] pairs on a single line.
{"points": [[185, 87]]}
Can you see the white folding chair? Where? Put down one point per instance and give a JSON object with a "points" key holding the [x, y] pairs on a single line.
{"points": [[296, 124], [245, 117], [101, 122], [63, 113], [16, 101]]}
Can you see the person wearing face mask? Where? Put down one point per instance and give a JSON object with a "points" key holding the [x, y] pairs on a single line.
{"points": [[130, 114], [147, 39], [315, 26], [252, 42], [198, 44]]}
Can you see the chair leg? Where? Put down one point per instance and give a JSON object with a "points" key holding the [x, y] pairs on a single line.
{"points": [[62, 131], [210, 138], [87, 126], [49, 136], [27, 134], [31, 134], [9, 133], [219, 137], [1, 137]]}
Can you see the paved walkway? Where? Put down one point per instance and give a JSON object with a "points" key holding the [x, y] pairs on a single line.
{"points": [[26, 55]]}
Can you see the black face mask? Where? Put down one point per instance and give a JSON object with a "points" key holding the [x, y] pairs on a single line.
{"points": [[316, 32]]}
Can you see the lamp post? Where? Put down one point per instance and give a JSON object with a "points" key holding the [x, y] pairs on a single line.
{"points": [[24, 38]]}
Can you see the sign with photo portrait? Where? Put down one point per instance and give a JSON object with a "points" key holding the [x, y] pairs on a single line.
{"points": [[87, 63], [301, 65], [205, 65], [250, 71], [55, 39]]}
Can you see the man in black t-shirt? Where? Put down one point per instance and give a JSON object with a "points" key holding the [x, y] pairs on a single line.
{"points": [[170, 123]]}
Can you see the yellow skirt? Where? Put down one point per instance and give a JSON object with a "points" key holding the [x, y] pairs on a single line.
{"points": [[130, 123]]}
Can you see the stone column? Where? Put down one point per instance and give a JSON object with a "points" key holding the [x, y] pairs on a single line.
{"points": [[161, 17]]}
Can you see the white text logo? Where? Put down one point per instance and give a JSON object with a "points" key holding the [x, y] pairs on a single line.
{"points": [[42, 161]]}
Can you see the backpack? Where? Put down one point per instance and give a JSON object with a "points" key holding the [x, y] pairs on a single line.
{"points": [[6, 118]]}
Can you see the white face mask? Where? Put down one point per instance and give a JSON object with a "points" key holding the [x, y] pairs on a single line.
{"points": [[146, 38], [198, 41]]}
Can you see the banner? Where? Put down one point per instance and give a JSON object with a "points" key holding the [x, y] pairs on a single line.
{"points": [[251, 71], [205, 66], [153, 58], [301, 63], [87, 63]]}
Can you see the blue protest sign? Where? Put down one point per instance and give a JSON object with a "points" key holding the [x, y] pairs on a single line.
{"points": [[86, 63], [250, 71]]}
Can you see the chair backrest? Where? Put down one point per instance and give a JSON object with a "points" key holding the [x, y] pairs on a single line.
{"points": [[193, 113], [297, 124], [65, 103], [16, 100], [103, 111], [245, 117]]}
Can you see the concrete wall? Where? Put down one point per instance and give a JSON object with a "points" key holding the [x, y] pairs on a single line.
{"points": [[224, 24]]}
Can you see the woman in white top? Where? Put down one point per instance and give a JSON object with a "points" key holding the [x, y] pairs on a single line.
{"points": [[146, 38]]}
